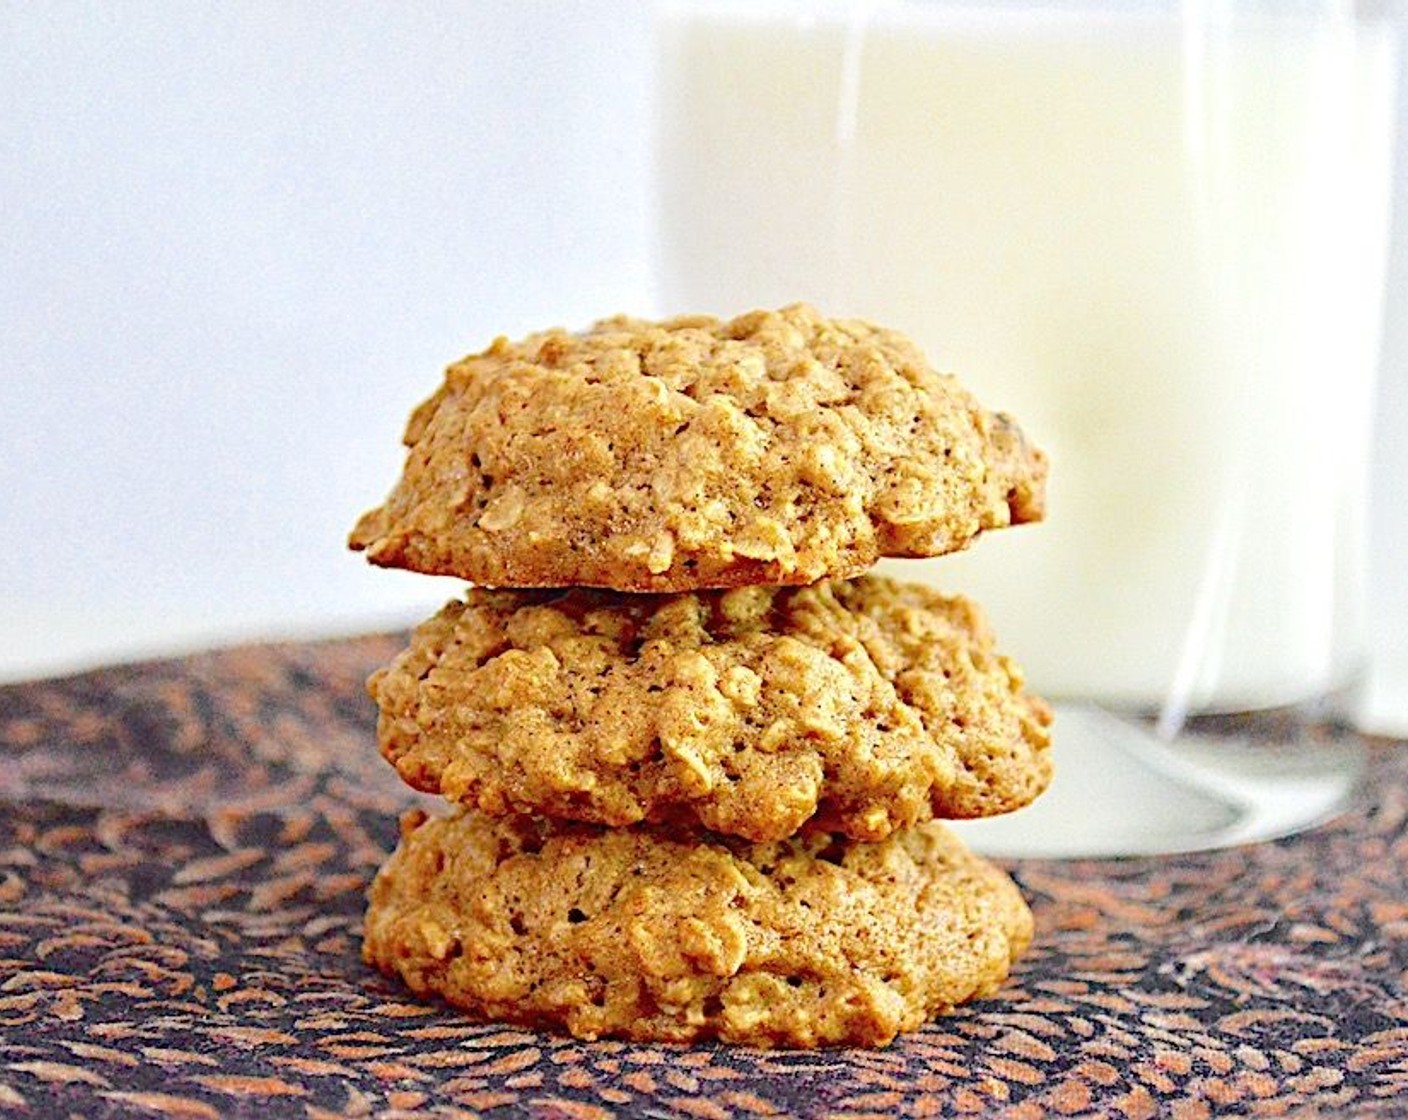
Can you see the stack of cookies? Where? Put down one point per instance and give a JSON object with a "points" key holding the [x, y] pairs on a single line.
{"points": [[695, 756]]}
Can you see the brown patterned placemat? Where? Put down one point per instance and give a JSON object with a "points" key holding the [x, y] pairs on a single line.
{"points": [[184, 847]]}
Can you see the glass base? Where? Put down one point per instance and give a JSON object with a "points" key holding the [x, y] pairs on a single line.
{"points": [[1120, 790]]}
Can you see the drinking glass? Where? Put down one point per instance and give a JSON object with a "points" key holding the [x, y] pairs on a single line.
{"points": [[1154, 232]]}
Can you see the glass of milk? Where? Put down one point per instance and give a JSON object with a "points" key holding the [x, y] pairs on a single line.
{"points": [[1154, 232]]}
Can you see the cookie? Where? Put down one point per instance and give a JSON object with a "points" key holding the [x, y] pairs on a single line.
{"points": [[648, 935], [858, 706], [776, 448]]}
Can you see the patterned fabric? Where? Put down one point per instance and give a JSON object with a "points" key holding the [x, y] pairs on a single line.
{"points": [[184, 848]]}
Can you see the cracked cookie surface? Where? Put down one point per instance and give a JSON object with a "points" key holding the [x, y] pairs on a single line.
{"points": [[779, 447], [856, 706], [640, 934]]}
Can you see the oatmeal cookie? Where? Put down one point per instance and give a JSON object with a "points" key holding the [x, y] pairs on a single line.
{"points": [[642, 934], [858, 706], [777, 448]]}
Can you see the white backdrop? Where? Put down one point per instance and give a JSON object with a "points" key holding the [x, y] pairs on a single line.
{"points": [[238, 242]]}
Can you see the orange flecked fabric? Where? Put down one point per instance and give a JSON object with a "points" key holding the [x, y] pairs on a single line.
{"points": [[186, 846]]}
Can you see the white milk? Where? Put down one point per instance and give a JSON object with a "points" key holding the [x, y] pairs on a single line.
{"points": [[1161, 251]]}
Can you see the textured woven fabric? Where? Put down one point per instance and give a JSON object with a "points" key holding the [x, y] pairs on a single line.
{"points": [[185, 847]]}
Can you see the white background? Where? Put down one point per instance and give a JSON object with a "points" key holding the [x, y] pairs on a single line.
{"points": [[238, 242]]}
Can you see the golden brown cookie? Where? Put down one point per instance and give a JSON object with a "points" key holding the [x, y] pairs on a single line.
{"points": [[777, 448], [644, 934], [866, 704]]}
